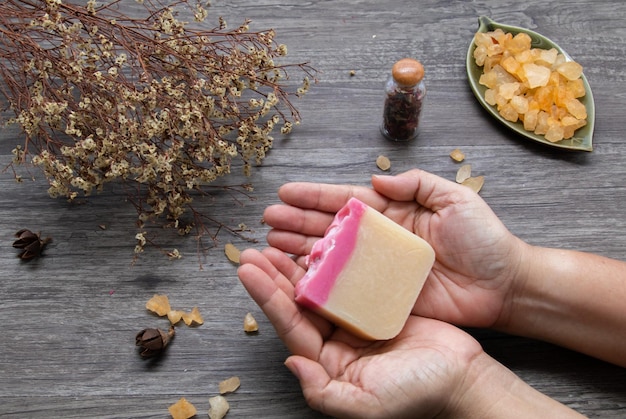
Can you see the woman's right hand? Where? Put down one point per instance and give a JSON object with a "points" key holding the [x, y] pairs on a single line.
{"points": [[477, 258]]}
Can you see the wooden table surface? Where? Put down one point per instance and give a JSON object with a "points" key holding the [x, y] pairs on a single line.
{"points": [[69, 318]]}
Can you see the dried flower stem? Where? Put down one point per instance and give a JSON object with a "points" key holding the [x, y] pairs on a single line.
{"points": [[103, 96]]}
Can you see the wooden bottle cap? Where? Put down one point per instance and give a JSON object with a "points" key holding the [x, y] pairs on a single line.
{"points": [[407, 72]]}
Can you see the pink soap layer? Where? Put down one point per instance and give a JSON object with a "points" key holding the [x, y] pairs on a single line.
{"points": [[329, 256]]}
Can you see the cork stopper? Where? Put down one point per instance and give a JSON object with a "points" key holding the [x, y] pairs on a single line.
{"points": [[407, 72]]}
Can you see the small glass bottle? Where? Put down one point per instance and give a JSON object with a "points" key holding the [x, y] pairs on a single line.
{"points": [[404, 94]]}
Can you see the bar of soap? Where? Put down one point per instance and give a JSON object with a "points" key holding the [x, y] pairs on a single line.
{"points": [[366, 273]]}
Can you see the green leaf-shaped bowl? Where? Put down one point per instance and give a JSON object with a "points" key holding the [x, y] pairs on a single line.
{"points": [[582, 139]]}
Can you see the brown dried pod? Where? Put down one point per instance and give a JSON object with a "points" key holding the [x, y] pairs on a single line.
{"points": [[153, 341], [31, 244]]}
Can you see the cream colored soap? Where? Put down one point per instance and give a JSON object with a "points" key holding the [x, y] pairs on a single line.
{"points": [[366, 273]]}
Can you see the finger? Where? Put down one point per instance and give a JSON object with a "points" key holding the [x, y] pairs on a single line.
{"points": [[293, 272], [290, 242], [284, 264], [304, 221], [327, 197], [326, 394], [261, 260], [261, 286], [427, 189], [298, 333]]}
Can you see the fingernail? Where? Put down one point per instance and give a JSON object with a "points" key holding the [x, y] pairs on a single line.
{"points": [[291, 367]]}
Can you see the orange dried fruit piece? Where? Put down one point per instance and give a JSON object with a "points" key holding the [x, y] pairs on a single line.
{"points": [[250, 324], [457, 155], [193, 317], [383, 163], [159, 304], [576, 88], [474, 183], [539, 87], [518, 43], [536, 75], [571, 70], [182, 409], [576, 108], [229, 385], [174, 316], [463, 173], [219, 407]]}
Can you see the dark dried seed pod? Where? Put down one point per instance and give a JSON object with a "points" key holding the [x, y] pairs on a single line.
{"points": [[153, 341], [31, 243]]}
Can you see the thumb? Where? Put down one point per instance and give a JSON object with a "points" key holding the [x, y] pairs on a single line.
{"points": [[427, 189], [323, 393], [312, 376]]}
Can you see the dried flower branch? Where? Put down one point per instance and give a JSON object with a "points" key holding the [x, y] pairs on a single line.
{"points": [[102, 96]]}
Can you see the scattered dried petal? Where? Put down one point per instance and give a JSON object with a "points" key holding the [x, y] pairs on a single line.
{"points": [[174, 254], [232, 253], [182, 409], [193, 318], [463, 173], [457, 155], [159, 304], [250, 324], [229, 385], [219, 407], [383, 163], [474, 183]]}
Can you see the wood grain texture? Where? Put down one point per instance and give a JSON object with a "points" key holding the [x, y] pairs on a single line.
{"points": [[69, 318]]}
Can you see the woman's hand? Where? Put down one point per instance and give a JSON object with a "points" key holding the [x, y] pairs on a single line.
{"points": [[431, 369], [414, 375], [477, 258]]}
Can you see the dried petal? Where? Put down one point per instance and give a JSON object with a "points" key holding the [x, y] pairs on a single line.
{"points": [[159, 304], [383, 163], [474, 183], [457, 155], [232, 253], [182, 409], [193, 318], [463, 173], [229, 385], [174, 254], [219, 407], [250, 324]]}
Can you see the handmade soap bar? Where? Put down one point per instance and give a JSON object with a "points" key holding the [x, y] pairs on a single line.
{"points": [[366, 273]]}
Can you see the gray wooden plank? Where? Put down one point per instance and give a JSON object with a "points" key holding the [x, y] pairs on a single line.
{"points": [[69, 318]]}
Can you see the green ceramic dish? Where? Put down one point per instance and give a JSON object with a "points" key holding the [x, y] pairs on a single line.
{"points": [[582, 139]]}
